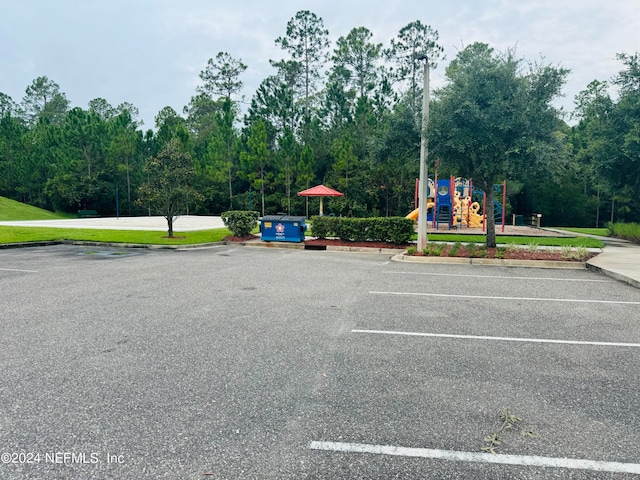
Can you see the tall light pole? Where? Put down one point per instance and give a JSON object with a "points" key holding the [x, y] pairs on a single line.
{"points": [[424, 179]]}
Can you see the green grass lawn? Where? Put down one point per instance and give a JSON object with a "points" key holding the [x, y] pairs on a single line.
{"points": [[38, 234], [35, 234], [10, 210]]}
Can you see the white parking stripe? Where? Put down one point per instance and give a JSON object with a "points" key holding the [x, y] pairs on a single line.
{"points": [[500, 277], [488, 297], [456, 456], [501, 339], [17, 270]]}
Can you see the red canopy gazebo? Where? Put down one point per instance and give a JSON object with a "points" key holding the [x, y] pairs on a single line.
{"points": [[320, 191]]}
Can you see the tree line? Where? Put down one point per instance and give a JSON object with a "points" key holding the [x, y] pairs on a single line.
{"points": [[347, 115]]}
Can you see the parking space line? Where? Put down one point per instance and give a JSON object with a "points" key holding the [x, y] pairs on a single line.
{"points": [[500, 339], [505, 277], [460, 456], [490, 297], [17, 270]]}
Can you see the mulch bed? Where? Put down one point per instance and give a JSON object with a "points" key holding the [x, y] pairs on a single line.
{"points": [[231, 238], [509, 254], [462, 252], [340, 243]]}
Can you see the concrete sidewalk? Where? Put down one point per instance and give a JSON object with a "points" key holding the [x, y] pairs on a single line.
{"points": [[619, 259]]}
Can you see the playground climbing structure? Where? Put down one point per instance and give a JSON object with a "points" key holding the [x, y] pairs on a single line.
{"points": [[455, 203]]}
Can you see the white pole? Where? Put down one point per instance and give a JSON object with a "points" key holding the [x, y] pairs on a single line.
{"points": [[424, 175]]}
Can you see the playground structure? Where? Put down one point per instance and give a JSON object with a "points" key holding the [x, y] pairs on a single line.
{"points": [[463, 207]]}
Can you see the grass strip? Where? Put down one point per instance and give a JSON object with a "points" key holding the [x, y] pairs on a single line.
{"points": [[144, 237], [518, 240]]}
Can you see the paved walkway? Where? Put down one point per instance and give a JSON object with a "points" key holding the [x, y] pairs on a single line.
{"points": [[620, 259]]}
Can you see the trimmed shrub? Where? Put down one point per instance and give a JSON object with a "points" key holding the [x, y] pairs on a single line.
{"points": [[352, 229], [240, 222], [396, 230], [323, 227]]}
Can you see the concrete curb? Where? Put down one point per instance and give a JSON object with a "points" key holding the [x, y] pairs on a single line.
{"points": [[612, 274], [489, 261], [110, 244], [261, 244], [31, 244]]}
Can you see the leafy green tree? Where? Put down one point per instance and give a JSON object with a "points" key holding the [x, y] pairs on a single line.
{"points": [[7, 105], [607, 139], [122, 153], [491, 121], [356, 59], [222, 76], [43, 100], [413, 41], [345, 160], [102, 108], [201, 116], [222, 154], [590, 141], [255, 160], [274, 103], [629, 79], [168, 188], [81, 178], [396, 162], [307, 41], [304, 173], [286, 157], [168, 124], [12, 155]]}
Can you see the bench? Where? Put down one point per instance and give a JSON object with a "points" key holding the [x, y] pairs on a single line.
{"points": [[87, 214]]}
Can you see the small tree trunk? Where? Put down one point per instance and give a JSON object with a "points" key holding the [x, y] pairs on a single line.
{"points": [[170, 226]]}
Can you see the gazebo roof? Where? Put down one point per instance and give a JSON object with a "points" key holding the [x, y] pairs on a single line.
{"points": [[320, 191]]}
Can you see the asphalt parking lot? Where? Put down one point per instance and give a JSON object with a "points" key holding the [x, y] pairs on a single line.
{"points": [[246, 363]]}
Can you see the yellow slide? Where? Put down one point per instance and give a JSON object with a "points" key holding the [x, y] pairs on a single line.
{"points": [[413, 215]]}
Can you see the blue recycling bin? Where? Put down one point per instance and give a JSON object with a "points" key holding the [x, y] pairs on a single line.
{"points": [[282, 228]]}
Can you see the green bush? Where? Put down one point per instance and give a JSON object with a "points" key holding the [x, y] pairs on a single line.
{"points": [[396, 230], [352, 229], [454, 249], [323, 227], [627, 231], [240, 222], [433, 249]]}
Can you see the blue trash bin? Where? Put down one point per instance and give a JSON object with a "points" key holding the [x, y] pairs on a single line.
{"points": [[282, 228]]}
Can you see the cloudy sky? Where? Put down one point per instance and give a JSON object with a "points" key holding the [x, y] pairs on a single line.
{"points": [[150, 52]]}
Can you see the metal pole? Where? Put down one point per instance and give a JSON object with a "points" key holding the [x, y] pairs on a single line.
{"points": [[422, 197], [504, 201]]}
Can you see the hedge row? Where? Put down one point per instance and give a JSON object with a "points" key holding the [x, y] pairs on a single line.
{"points": [[396, 230]]}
